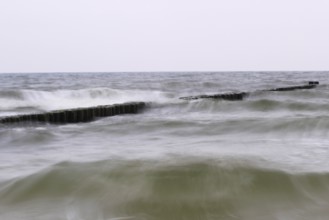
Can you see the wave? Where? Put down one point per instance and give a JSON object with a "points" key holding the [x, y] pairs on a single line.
{"points": [[255, 106], [61, 99], [174, 189], [216, 122], [40, 100]]}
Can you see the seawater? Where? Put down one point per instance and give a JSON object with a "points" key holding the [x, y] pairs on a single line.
{"points": [[265, 157]]}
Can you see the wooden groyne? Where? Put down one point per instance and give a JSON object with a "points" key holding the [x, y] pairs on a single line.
{"points": [[91, 113], [311, 86], [227, 96], [240, 96], [77, 115]]}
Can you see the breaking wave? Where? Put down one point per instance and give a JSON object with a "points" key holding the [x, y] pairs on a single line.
{"points": [[21, 100]]}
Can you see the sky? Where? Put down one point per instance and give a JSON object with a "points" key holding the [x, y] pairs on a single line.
{"points": [[163, 35]]}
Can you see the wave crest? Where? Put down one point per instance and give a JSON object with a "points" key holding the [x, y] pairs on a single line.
{"points": [[63, 99], [178, 190]]}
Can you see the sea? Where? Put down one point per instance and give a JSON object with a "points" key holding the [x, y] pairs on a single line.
{"points": [[262, 158]]}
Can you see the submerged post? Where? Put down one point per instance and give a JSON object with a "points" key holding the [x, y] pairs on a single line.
{"points": [[313, 83]]}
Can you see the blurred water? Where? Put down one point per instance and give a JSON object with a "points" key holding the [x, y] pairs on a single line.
{"points": [[261, 158]]}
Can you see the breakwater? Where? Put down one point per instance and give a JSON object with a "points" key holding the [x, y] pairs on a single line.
{"points": [[91, 113], [226, 96], [77, 115], [241, 95], [310, 86]]}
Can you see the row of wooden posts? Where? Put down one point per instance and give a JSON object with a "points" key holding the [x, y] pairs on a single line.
{"points": [[78, 114], [241, 95], [91, 113]]}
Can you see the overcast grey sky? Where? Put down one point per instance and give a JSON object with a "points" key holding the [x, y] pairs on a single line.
{"points": [[163, 35]]}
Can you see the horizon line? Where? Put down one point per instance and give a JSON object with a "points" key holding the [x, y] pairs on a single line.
{"points": [[170, 71]]}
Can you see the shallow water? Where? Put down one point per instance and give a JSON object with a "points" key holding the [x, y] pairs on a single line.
{"points": [[261, 158]]}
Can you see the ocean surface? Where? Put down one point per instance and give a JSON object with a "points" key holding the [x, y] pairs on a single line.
{"points": [[263, 158]]}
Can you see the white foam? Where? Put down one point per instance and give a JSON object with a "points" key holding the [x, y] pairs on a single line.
{"points": [[63, 99]]}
